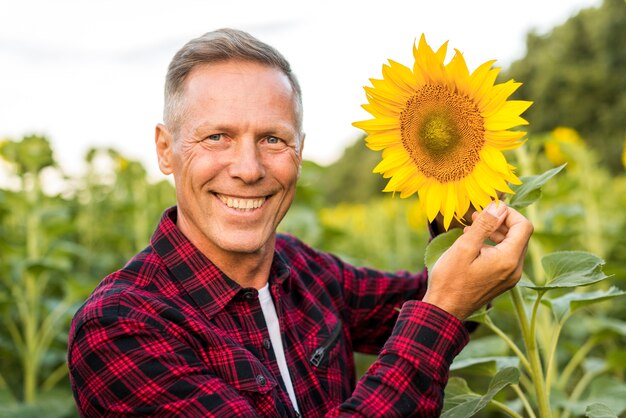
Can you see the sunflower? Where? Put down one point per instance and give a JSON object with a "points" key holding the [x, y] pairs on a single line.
{"points": [[442, 131], [561, 139]]}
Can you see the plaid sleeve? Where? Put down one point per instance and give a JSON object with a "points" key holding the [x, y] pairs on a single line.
{"points": [[373, 299], [126, 367], [411, 372]]}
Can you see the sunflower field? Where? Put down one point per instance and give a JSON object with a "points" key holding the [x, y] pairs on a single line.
{"points": [[555, 346]]}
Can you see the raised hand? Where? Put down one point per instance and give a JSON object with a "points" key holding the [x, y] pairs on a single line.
{"points": [[471, 273]]}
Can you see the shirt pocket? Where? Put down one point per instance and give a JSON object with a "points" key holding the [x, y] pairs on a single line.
{"points": [[242, 370], [329, 361]]}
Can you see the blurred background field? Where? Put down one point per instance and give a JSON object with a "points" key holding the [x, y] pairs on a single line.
{"points": [[62, 233]]}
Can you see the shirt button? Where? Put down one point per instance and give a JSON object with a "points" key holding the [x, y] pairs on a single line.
{"points": [[261, 380], [249, 294], [267, 344]]}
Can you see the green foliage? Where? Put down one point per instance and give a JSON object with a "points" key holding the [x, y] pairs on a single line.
{"points": [[575, 76], [55, 248], [564, 369], [350, 178]]}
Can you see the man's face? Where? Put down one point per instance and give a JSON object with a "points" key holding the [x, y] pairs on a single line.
{"points": [[235, 159]]}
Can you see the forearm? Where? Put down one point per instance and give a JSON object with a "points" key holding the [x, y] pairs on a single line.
{"points": [[411, 372]]}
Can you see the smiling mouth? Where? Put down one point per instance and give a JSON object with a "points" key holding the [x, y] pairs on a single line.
{"points": [[241, 203]]}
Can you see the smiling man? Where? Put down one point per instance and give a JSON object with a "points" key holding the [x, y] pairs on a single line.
{"points": [[221, 316]]}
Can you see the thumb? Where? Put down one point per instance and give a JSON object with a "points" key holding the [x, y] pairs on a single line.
{"points": [[486, 223]]}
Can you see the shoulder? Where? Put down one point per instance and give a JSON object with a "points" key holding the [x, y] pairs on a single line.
{"points": [[298, 253], [125, 292]]}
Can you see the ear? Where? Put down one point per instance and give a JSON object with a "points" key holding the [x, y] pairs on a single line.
{"points": [[300, 149], [164, 147]]}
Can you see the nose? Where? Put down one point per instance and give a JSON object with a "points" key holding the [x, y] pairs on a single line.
{"points": [[247, 163]]}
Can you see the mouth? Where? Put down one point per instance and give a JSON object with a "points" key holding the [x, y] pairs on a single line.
{"points": [[242, 203]]}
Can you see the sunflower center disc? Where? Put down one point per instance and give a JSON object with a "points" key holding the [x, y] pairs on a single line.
{"points": [[438, 133], [443, 132]]}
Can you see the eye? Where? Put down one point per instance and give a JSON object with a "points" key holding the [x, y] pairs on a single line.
{"points": [[272, 140], [214, 137]]}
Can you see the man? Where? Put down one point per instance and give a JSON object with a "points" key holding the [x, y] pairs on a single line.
{"points": [[220, 316]]}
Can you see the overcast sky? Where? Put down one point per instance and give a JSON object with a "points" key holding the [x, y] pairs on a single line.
{"points": [[90, 73]]}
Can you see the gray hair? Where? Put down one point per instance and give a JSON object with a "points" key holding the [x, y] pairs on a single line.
{"points": [[214, 47]]}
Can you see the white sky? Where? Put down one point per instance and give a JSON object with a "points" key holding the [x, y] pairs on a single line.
{"points": [[86, 72]]}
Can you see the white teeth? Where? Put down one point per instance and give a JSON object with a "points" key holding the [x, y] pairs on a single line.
{"points": [[240, 203]]}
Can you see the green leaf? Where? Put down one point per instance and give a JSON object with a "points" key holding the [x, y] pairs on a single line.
{"points": [[607, 390], [439, 245], [457, 386], [487, 346], [599, 410], [486, 365], [479, 316], [472, 404], [530, 189], [566, 269], [566, 305]]}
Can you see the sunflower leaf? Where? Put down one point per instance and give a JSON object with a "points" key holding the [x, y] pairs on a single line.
{"points": [[567, 304], [599, 410], [567, 269], [439, 245], [471, 404], [485, 365], [530, 189]]}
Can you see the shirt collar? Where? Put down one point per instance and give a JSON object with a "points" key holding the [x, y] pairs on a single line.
{"points": [[205, 283], [210, 289]]}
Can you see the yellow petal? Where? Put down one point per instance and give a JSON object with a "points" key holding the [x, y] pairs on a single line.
{"points": [[480, 74], [393, 100], [430, 195], [492, 102], [508, 116], [504, 140], [494, 159], [489, 180], [378, 124], [458, 73], [412, 185], [428, 63], [408, 77], [391, 160], [479, 198], [390, 89], [397, 75], [383, 140], [376, 109], [448, 204]]}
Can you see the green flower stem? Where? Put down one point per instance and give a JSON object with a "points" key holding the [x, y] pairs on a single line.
{"points": [[31, 297], [533, 355], [550, 366], [576, 360], [524, 399], [505, 409], [493, 327]]}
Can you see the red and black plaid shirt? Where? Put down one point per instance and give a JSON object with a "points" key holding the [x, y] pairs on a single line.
{"points": [[171, 335]]}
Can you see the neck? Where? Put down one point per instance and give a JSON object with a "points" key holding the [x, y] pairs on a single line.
{"points": [[247, 270]]}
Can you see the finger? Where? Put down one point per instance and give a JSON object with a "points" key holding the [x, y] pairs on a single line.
{"points": [[485, 224], [497, 237], [519, 230]]}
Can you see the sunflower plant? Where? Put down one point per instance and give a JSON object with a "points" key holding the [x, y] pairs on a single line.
{"points": [[442, 131]]}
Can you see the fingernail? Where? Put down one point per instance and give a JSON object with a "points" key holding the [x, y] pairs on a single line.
{"points": [[496, 208]]}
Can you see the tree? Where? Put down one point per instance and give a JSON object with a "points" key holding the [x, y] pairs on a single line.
{"points": [[575, 76]]}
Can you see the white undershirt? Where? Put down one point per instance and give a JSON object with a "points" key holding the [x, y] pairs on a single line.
{"points": [[273, 327]]}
